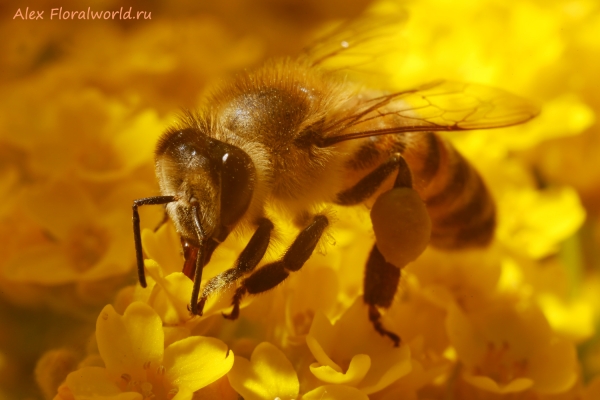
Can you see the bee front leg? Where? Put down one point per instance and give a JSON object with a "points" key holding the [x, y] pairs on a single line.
{"points": [[246, 262], [273, 274]]}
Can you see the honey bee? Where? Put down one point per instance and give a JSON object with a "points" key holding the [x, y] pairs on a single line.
{"points": [[296, 135]]}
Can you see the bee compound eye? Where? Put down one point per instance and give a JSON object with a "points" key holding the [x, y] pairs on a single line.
{"points": [[237, 185], [401, 224]]}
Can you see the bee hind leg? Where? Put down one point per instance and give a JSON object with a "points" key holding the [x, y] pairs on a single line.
{"points": [[381, 278], [380, 286], [368, 185], [273, 274]]}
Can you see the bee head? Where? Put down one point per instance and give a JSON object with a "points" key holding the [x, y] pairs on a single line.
{"points": [[212, 182]]}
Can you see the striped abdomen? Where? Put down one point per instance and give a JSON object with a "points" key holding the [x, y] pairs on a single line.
{"points": [[462, 211]]}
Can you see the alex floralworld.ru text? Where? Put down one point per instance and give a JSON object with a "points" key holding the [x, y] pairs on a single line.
{"points": [[58, 13]]}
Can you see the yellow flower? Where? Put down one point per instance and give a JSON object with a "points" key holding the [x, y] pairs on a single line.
{"points": [[169, 296], [97, 137], [270, 375], [315, 289], [84, 245], [164, 247], [467, 277], [350, 352], [536, 222], [420, 323], [508, 347], [138, 365]]}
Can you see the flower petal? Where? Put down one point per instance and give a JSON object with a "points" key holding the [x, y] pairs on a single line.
{"points": [[545, 219], [358, 368], [554, 370], [335, 392], [170, 298], [197, 361], [268, 375], [322, 329], [332, 345], [94, 382], [387, 366], [164, 247], [127, 342], [486, 383], [183, 394], [174, 334]]}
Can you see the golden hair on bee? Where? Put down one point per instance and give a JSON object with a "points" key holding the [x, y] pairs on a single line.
{"points": [[293, 136]]}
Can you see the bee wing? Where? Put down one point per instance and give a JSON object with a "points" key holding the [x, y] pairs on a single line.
{"points": [[438, 106], [357, 43]]}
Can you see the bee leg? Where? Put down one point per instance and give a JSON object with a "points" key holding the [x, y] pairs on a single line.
{"points": [[381, 277], [380, 286], [246, 262], [368, 185], [273, 274]]}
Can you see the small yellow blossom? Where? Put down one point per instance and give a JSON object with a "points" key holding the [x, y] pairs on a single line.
{"points": [[536, 232], [270, 375], [170, 296], [508, 347], [467, 277], [164, 247], [52, 368], [138, 365], [82, 246], [351, 353], [304, 298]]}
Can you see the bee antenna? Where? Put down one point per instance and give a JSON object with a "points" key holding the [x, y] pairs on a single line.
{"points": [[137, 235]]}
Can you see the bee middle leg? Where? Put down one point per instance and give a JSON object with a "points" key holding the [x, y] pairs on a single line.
{"points": [[274, 273]]}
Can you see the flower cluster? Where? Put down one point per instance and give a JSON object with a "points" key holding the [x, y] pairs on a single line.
{"points": [[83, 105]]}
